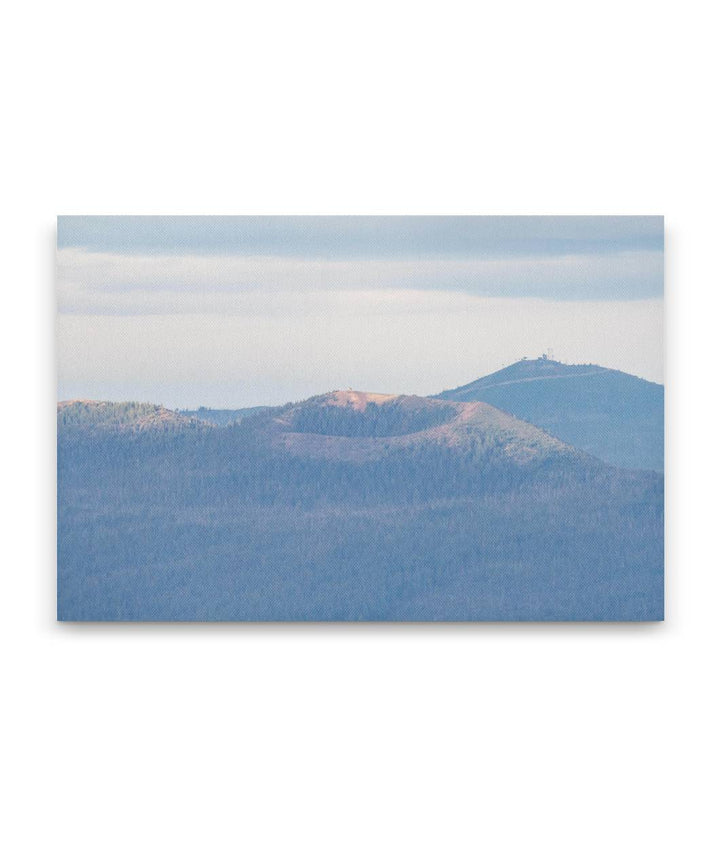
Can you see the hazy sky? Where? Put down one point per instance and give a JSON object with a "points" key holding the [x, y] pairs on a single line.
{"points": [[236, 311]]}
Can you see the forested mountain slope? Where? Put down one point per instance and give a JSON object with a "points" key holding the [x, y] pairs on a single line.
{"points": [[617, 417], [127, 416], [349, 506]]}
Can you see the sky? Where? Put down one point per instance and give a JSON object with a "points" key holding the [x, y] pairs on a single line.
{"points": [[239, 311]]}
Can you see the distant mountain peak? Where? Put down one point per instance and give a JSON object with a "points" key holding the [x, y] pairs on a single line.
{"points": [[614, 416], [523, 370]]}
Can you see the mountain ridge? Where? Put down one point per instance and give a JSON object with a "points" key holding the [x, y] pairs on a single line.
{"points": [[131, 416], [349, 425], [607, 414], [348, 506], [429, 422], [612, 415], [541, 368]]}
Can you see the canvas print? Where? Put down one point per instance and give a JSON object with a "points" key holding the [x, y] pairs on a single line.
{"points": [[360, 418]]}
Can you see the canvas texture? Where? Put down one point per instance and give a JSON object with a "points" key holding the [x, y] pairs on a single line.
{"points": [[360, 419]]}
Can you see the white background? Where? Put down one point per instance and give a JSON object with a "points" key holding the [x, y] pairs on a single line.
{"points": [[359, 739]]}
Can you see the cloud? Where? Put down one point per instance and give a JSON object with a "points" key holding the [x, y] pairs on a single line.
{"points": [[361, 237], [120, 284]]}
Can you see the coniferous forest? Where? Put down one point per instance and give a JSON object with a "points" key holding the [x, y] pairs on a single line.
{"points": [[347, 506]]}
